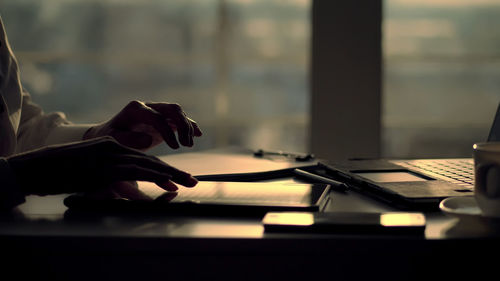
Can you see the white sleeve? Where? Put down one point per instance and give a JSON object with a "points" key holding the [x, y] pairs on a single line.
{"points": [[37, 129], [10, 193], [34, 127]]}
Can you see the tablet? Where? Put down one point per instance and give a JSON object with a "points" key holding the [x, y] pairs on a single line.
{"points": [[220, 198]]}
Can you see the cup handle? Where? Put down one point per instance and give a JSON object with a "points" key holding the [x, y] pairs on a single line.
{"points": [[488, 180]]}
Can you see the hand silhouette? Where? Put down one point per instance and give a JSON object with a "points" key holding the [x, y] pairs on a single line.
{"points": [[144, 125], [91, 165]]}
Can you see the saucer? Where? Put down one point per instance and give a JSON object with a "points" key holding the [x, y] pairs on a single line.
{"points": [[461, 207]]}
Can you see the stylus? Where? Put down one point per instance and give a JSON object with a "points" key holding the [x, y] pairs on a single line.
{"points": [[335, 184], [297, 156]]}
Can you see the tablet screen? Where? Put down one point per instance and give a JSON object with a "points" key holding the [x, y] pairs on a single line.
{"points": [[242, 193], [206, 197]]}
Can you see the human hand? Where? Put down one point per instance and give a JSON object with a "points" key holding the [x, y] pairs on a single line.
{"points": [[89, 166], [144, 125]]}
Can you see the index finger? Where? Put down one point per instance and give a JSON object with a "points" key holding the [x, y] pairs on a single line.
{"points": [[153, 163]]}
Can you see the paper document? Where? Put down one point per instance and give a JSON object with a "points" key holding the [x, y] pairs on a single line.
{"points": [[208, 163]]}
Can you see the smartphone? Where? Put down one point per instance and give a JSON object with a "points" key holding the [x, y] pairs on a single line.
{"points": [[346, 222]]}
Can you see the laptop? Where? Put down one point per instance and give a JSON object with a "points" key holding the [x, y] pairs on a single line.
{"points": [[418, 184]]}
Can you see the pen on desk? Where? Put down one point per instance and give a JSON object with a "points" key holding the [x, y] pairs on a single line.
{"points": [[335, 184]]}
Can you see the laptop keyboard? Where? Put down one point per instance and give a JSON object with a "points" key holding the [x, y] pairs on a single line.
{"points": [[459, 171]]}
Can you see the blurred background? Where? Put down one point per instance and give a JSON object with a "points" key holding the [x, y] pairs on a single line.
{"points": [[442, 75], [241, 67]]}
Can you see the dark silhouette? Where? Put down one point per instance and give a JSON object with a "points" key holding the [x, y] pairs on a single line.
{"points": [[46, 154]]}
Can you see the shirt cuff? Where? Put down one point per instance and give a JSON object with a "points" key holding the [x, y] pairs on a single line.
{"points": [[67, 133], [10, 192]]}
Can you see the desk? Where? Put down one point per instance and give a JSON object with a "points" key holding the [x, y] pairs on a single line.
{"points": [[43, 243]]}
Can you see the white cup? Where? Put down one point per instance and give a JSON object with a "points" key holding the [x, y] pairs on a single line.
{"points": [[487, 177]]}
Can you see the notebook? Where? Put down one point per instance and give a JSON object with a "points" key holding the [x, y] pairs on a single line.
{"points": [[412, 183]]}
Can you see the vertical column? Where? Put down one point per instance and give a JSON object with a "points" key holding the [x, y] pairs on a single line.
{"points": [[346, 78], [222, 72]]}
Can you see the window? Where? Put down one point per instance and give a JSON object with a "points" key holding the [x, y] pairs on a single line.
{"points": [[238, 67], [442, 76]]}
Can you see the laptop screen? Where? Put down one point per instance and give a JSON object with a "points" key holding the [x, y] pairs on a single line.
{"points": [[495, 128]]}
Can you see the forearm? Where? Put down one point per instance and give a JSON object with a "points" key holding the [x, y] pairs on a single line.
{"points": [[67, 133]]}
